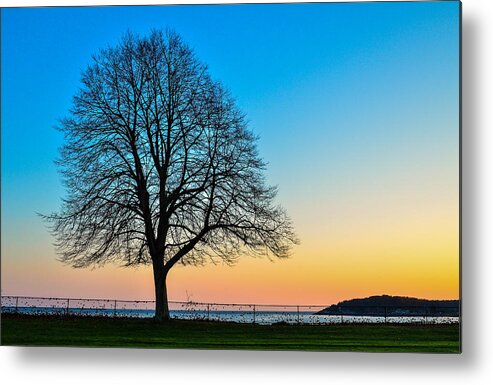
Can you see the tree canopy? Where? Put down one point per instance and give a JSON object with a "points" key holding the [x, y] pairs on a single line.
{"points": [[160, 166]]}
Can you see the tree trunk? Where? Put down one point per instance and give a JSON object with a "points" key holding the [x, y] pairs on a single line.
{"points": [[162, 309]]}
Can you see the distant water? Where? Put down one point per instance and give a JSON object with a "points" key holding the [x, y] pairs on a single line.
{"points": [[260, 317]]}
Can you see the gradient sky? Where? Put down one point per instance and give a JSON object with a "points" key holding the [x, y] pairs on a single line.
{"points": [[357, 109]]}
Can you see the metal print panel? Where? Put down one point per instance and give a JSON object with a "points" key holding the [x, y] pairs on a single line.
{"points": [[264, 176]]}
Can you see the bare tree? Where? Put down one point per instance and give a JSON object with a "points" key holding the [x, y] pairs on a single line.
{"points": [[160, 167]]}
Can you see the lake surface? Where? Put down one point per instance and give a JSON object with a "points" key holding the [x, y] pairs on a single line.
{"points": [[260, 317]]}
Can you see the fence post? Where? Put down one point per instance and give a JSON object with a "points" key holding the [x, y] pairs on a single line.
{"points": [[254, 313], [114, 309], [385, 314], [16, 304], [68, 305], [298, 311]]}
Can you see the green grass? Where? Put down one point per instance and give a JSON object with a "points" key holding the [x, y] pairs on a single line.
{"points": [[28, 330]]}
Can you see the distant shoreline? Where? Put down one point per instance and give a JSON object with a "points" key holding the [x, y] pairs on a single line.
{"points": [[396, 306]]}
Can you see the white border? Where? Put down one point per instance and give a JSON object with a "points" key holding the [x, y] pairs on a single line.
{"points": [[130, 366]]}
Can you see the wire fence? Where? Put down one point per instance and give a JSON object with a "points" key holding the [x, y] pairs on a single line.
{"points": [[242, 313]]}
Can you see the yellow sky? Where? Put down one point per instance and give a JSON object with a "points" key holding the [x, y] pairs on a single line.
{"points": [[354, 248]]}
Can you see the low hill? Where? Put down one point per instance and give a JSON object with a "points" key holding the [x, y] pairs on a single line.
{"points": [[394, 306]]}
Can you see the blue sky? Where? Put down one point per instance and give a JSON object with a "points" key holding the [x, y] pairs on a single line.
{"points": [[349, 100]]}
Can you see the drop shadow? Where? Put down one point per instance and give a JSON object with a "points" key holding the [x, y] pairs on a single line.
{"points": [[471, 190]]}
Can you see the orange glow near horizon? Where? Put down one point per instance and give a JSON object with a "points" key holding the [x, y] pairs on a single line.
{"points": [[398, 240], [409, 254]]}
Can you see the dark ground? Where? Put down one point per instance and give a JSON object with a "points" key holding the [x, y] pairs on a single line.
{"points": [[29, 330]]}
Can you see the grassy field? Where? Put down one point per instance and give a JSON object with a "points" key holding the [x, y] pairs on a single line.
{"points": [[144, 333]]}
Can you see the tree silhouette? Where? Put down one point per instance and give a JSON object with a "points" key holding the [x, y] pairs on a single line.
{"points": [[160, 168]]}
